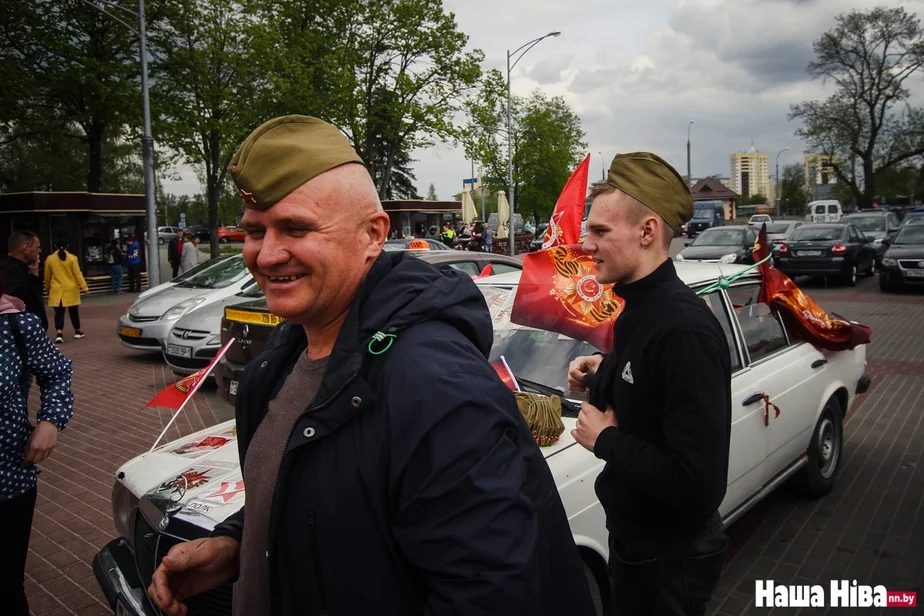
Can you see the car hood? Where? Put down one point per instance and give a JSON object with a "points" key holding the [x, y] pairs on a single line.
{"points": [[708, 252], [906, 251], [159, 303], [208, 317], [161, 287], [874, 234]]}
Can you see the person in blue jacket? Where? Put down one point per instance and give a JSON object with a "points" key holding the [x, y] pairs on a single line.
{"points": [[25, 349], [133, 264]]}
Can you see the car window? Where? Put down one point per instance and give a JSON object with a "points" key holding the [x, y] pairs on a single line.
{"points": [[911, 234], [816, 233], [856, 234], [719, 237], [819, 209], [223, 274], [504, 268], [714, 301], [893, 221], [751, 237], [778, 227], [761, 327], [832, 209], [469, 267], [869, 223]]}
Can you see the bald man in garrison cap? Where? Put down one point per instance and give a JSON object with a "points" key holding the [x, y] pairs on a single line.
{"points": [[659, 409], [388, 469]]}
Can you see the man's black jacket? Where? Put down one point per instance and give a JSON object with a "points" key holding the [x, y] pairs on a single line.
{"points": [[411, 483], [173, 252], [18, 282]]}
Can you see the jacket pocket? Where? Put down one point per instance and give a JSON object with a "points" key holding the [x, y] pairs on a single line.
{"points": [[316, 562]]}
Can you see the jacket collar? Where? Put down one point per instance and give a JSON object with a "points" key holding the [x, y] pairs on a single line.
{"points": [[636, 291]]}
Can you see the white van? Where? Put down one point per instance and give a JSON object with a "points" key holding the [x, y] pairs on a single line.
{"points": [[824, 211]]}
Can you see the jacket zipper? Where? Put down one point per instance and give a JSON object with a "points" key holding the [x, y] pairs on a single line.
{"points": [[316, 555]]}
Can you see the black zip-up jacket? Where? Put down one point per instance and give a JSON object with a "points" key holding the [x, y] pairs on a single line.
{"points": [[411, 483], [18, 282], [669, 382]]}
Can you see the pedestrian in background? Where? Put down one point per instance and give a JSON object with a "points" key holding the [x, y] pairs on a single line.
{"points": [[175, 251], [133, 262], [190, 256], [115, 257], [25, 349], [488, 238], [63, 283], [19, 272]]}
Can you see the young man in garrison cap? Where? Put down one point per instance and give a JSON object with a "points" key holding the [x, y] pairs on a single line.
{"points": [[385, 474], [659, 409]]}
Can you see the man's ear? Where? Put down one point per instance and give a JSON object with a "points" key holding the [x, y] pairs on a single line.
{"points": [[378, 226], [649, 230]]}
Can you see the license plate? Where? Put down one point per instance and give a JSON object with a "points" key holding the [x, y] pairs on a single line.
{"points": [[809, 253], [248, 316], [913, 274], [232, 388], [120, 609], [131, 332], [179, 351]]}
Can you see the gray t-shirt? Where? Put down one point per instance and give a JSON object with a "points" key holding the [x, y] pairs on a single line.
{"points": [[264, 455]]}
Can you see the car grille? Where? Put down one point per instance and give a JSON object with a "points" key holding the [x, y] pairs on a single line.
{"points": [[137, 319], [911, 264], [188, 334], [148, 554], [150, 342]]}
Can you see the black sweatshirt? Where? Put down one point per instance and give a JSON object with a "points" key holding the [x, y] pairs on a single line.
{"points": [[669, 381], [18, 282]]}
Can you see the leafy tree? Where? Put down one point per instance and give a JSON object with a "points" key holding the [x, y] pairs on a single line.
{"points": [[868, 122], [792, 189], [547, 143], [431, 193], [755, 199]]}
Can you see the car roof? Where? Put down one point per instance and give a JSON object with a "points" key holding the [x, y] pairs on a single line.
{"points": [[823, 225], [452, 256], [691, 273], [868, 213], [732, 227]]}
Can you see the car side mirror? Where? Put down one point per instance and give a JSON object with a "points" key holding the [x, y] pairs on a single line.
{"points": [[686, 244], [886, 241]]}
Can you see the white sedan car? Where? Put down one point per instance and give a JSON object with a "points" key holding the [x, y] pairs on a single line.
{"points": [[181, 490]]}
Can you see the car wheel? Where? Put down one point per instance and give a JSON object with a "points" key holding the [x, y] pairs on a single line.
{"points": [[595, 594], [850, 278], [824, 451], [224, 240], [160, 240]]}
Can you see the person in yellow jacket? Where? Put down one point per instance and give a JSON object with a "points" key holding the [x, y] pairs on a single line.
{"points": [[63, 283]]}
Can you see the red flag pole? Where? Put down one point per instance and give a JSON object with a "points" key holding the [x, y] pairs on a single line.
{"points": [[192, 392]]}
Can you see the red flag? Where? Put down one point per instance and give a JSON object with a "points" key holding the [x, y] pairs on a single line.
{"points": [[565, 225], [503, 371], [806, 316], [176, 394], [559, 292], [487, 271]]}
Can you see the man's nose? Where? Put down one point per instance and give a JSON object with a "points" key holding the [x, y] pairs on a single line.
{"points": [[272, 251]]}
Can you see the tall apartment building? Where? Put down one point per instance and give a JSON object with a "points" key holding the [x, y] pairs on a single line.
{"points": [[750, 173], [818, 170]]}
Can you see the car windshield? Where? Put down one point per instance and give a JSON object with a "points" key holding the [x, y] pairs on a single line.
{"points": [[223, 274], [704, 212], [811, 234], [913, 219], [867, 223], [199, 269], [531, 354], [912, 234], [251, 290], [778, 227], [720, 237]]}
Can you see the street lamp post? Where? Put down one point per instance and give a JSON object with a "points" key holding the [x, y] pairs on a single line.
{"points": [[512, 227], [778, 181], [689, 174], [602, 167], [147, 141]]}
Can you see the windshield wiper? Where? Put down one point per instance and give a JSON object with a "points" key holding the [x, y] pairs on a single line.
{"points": [[568, 408]]}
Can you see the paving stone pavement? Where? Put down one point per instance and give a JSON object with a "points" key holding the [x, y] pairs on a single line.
{"points": [[869, 528]]}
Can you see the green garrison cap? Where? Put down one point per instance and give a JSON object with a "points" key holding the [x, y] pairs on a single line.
{"points": [[284, 153], [649, 179]]}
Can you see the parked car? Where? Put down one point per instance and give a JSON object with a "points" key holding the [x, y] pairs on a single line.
{"points": [[200, 232], [903, 261], [227, 235], [195, 339], [758, 219], [396, 245], [250, 323], [181, 490], [828, 210], [183, 277], [778, 232], [536, 243], [706, 215], [912, 218], [147, 323], [876, 225], [837, 250], [732, 244]]}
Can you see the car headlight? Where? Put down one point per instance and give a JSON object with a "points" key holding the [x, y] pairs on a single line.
{"points": [[729, 258], [182, 308], [215, 340], [889, 262], [123, 511], [680, 258], [133, 311], [877, 241]]}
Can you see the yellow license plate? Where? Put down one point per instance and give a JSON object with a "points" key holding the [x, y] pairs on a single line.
{"points": [[247, 316], [131, 332]]}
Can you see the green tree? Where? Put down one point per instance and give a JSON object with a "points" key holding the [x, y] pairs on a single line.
{"points": [[755, 199], [68, 72], [548, 143], [431, 193], [204, 74], [868, 122], [792, 189]]}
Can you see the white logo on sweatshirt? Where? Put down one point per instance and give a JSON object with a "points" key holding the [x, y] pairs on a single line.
{"points": [[627, 373]]}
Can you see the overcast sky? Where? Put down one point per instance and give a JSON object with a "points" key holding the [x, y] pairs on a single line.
{"points": [[638, 71]]}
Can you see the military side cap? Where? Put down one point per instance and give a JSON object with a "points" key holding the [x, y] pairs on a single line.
{"points": [[650, 180], [284, 153]]}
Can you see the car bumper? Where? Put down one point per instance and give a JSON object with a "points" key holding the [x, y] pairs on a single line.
{"points": [[799, 267], [114, 567], [898, 277], [152, 333]]}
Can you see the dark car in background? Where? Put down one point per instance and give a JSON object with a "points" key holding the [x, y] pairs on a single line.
{"points": [[876, 225], [199, 232], [903, 261], [836, 250], [731, 244], [250, 323]]}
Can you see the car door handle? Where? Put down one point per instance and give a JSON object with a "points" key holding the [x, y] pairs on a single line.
{"points": [[818, 363], [753, 398]]}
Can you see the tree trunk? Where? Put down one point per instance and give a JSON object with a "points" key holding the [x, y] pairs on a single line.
{"points": [[866, 199], [95, 145], [213, 191], [386, 175]]}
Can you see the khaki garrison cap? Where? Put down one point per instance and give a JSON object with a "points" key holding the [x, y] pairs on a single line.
{"points": [[649, 179], [284, 153]]}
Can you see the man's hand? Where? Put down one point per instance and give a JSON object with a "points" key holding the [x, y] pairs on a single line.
{"points": [[590, 423], [43, 439], [192, 568], [579, 367]]}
